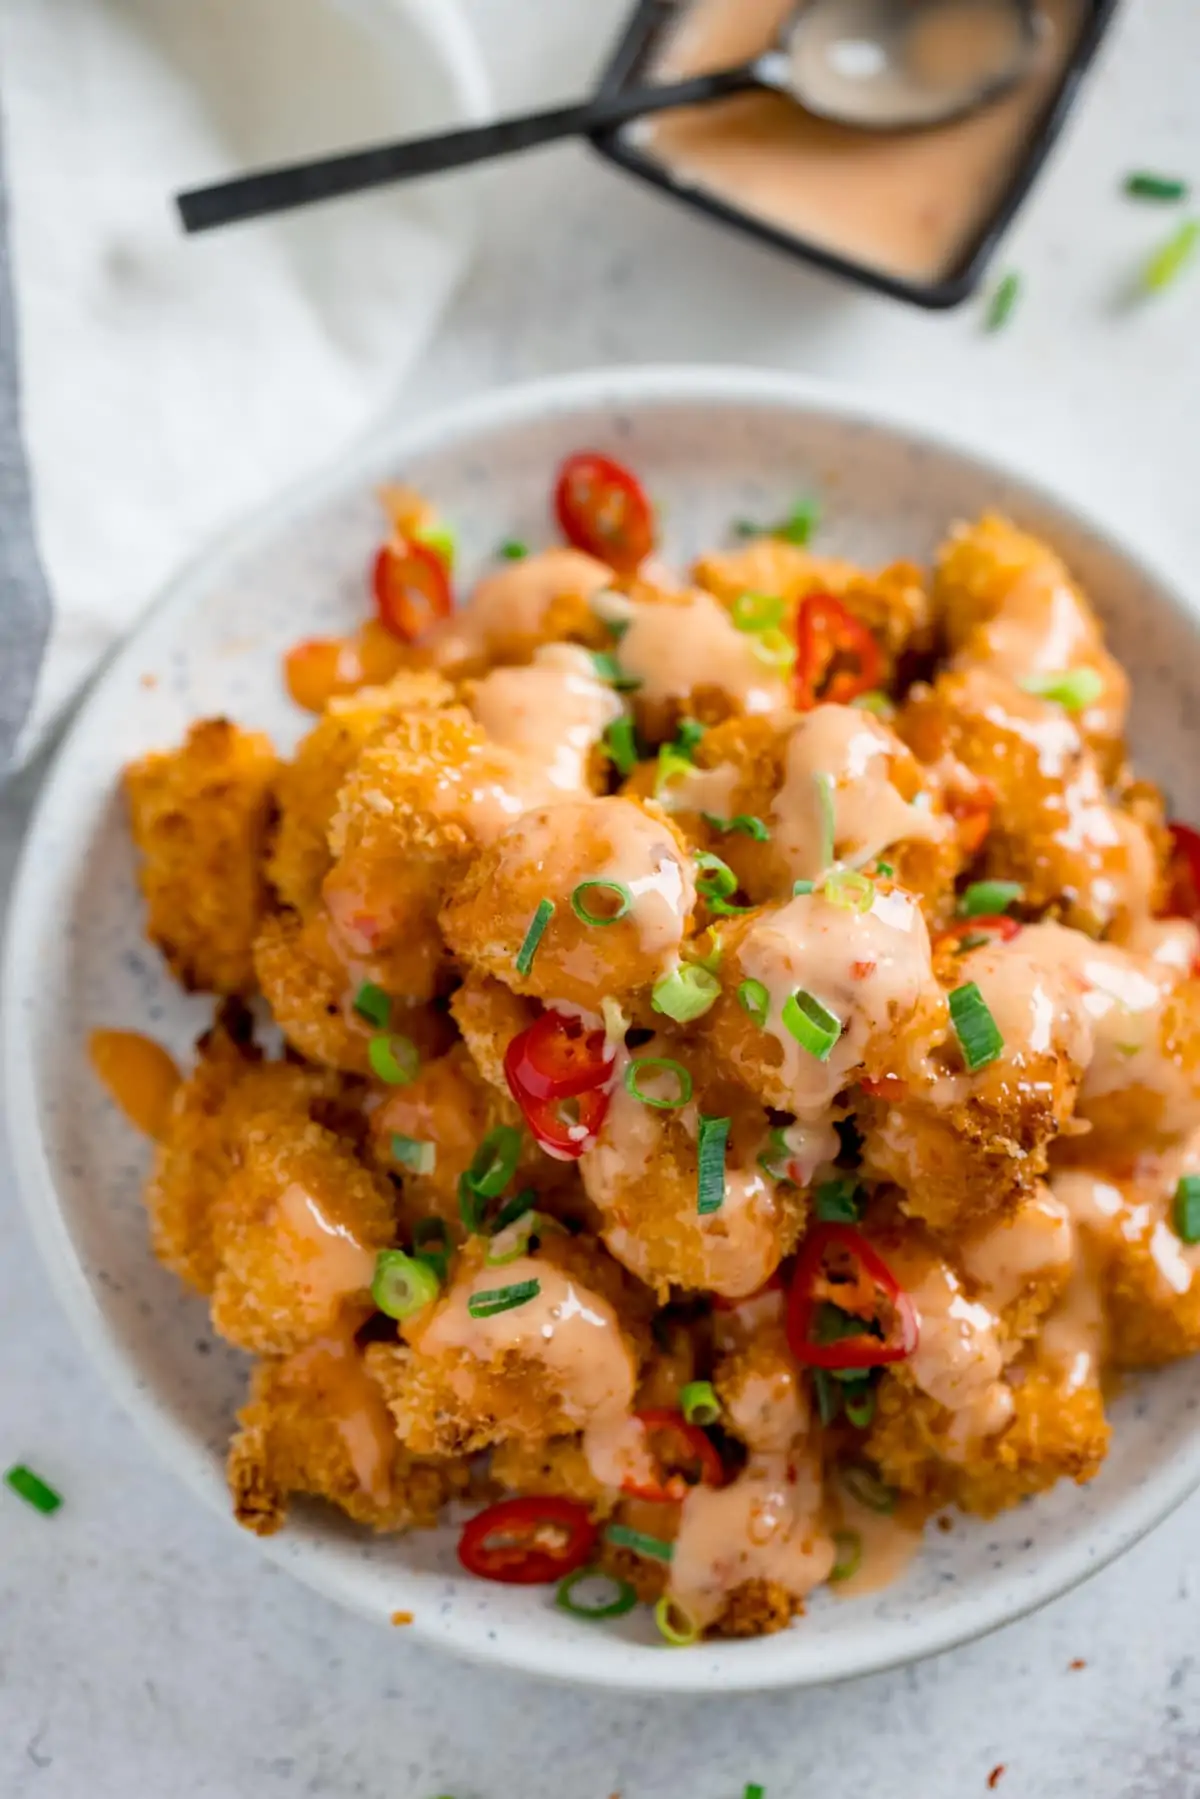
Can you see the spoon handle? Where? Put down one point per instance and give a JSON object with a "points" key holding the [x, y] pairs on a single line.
{"points": [[304, 183]]}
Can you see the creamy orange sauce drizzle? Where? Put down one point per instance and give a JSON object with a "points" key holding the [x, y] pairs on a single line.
{"points": [[907, 202], [332, 1263], [333, 1368], [511, 606], [552, 711], [570, 1332], [1008, 1255], [138, 1075], [765, 1525], [889, 1541], [959, 1360], [674, 648], [1039, 1012], [870, 969], [855, 751]]}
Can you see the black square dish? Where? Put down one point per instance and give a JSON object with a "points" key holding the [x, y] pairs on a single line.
{"points": [[634, 61]]}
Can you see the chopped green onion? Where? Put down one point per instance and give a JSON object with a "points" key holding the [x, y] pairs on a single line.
{"points": [[875, 702], [989, 899], [1072, 688], [813, 1025], [395, 1060], [431, 1245], [838, 1201], [622, 1537], [623, 1597], [1143, 186], [799, 524], [515, 1208], [778, 1152], [757, 612], [699, 1403], [403, 1284], [494, 1162], [1170, 259], [884, 871], [848, 1559], [670, 765], [711, 958], [775, 648], [686, 993], [852, 891], [829, 1396], [373, 1004], [1186, 1209], [710, 1182], [1000, 308], [745, 822], [689, 732], [667, 1065], [827, 816], [753, 1792], [674, 1624], [799, 888], [32, 1489], [833, 1325], [717, 885], [513, 550], [976, 940], [977, 1031], [511, 1242], [860, 1407], [621, 746], [494, 1300], [609, 669], [440, 537], [755, 1000], [533, 936], [415, 1153], [864, 1484], [624, 901]]}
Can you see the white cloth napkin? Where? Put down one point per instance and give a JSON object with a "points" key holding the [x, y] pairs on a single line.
{"points": [[168, 385]]}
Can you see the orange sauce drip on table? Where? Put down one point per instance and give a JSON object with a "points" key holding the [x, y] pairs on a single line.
{"points": [[138, 1074]]}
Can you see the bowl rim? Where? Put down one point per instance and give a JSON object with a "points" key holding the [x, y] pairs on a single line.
{"points": [[717, 1667]]}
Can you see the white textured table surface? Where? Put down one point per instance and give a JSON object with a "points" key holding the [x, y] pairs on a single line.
{"points": [[144, 1647]]}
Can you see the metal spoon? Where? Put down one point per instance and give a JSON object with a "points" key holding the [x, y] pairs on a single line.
{"points": [[880, 65]]}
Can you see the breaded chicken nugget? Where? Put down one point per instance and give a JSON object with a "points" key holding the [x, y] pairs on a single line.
{"points": [[199, 816], [539, 599]]}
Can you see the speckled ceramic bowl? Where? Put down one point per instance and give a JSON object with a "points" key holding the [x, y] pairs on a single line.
{"points": [[709, 444]]}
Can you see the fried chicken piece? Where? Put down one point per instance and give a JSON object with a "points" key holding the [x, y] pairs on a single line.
{"points": [[688, 659], [296, 1231], [199, 816], [1053, 828], [310, 987], [642, 1175], [892, 603], [1006, 600], [552, 711], [565, 1358], [559, 1468], [625, 864], [316, 1424], [419, 803], [540, 599], [490, 1015], [307, 787], [195, 1157]]}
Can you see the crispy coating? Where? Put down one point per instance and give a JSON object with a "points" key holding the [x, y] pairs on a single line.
{"points": [[199, 816], [546, 855], [1058, 1432], [489, 1016], [539, 599], [559, 1468], [892, 603], [307, 787], [460, 1384], [303, 973], [296, 1229], [315, 1424], [194, 1159]]}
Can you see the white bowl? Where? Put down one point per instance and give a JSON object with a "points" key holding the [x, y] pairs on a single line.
{"points": [[710, 444]]}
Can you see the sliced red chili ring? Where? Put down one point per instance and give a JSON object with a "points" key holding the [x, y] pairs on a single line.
{"points": [[411, 587], [991, 926], [1183, 899], [683, 1456], [528, 1542], [602, 508], [557, 1057], [560, 1134], [846, 1308], [836, 656]]}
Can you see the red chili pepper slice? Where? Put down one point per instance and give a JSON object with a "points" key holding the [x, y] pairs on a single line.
{"points": [[566, 1139], [411, 586], [684, 1457], [528, 1542], [603, 509], [838, 1268], [556, 1058], [1183, 900], [827, 635], [991, 925]]}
